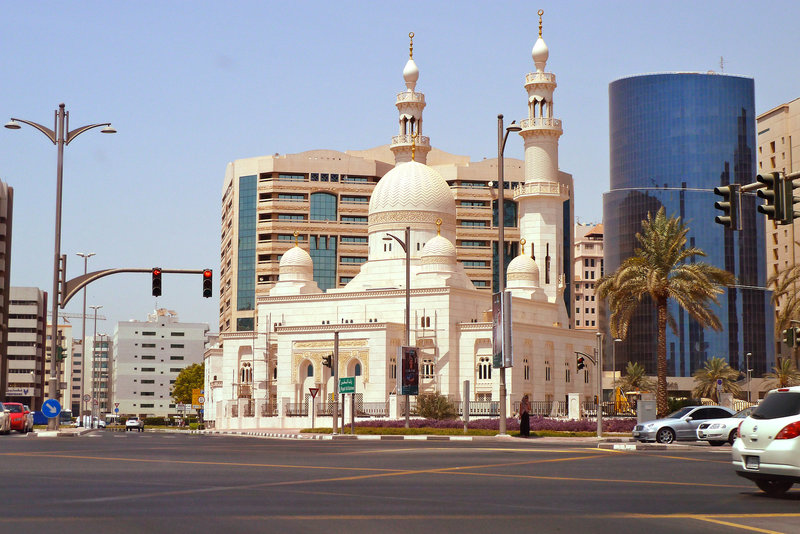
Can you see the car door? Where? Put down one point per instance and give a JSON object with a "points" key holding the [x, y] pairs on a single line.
{"points": [[689, 424]]}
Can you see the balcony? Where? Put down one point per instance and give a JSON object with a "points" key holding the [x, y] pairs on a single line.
{"points": [[541, 189], [541, 123], [539, 77], [422, 140], [411, 96]]}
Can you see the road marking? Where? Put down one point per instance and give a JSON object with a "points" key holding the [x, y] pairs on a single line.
{"points": [[718, 519]]}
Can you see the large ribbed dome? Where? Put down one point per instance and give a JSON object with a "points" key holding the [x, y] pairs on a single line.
{"points": [[523, 268], [439, 248], [412, 186], [296, 259]]}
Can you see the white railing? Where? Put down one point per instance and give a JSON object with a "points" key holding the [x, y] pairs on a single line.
{"points": [[540, 122], [421, 140], [541, 188], [410, 96], [540, 77]]}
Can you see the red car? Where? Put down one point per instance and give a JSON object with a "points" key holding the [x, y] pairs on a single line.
{"points": [[21, 419]]}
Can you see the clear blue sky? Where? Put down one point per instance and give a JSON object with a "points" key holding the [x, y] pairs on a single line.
{"points": [[191, 86]]}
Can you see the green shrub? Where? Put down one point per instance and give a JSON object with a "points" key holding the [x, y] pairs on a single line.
{"points": [[154, 421], [435, 406]]}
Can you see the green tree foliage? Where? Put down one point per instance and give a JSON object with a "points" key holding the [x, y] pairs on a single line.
{"points": [[785, 293], [636, 379], [705, 379], [662, 268], [783, 375], [190, 378], [435, 406]]}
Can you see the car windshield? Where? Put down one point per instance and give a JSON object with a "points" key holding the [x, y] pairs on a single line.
{"points": [[680, 413], [778, 404], [741, 414], [14, 408]]}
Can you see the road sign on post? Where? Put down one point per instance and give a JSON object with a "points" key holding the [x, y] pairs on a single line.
{"points": [[51, 408], [347, 384]]}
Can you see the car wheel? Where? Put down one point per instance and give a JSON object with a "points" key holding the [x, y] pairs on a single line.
{"points": [[665, 435], [716, 443], [732, 437], [774, 488]]}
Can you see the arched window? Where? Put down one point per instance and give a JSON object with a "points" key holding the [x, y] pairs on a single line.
{"points": [[310, 370], [357, 370]]}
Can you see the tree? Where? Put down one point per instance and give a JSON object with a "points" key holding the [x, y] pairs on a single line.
{"points": [[715, 369], [192, 377], [435, 406], [786, 298], [636, 379], [659, 270], [783, 375]]}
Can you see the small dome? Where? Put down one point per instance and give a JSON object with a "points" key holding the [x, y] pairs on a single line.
{"points": [[439, 247], [412, 187], [540, 54], [523, 268], [411, 74], [296, 257]]}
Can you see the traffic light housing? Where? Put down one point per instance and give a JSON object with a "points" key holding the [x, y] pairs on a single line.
{"points": [[773, 194], [581, 362], [60, 354], [789, 200], [207, 277], [156, 281], [326, 360], [730, 206], [791, 336]]}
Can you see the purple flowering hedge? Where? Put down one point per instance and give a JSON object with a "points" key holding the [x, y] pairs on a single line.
{"points": [[623, 425]]}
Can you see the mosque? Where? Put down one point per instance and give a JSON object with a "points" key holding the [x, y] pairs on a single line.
{"points": [[413, 211]]}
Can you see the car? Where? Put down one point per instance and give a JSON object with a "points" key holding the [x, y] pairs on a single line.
{"points": [[5, 419], [134, 423], [719, 432], [680, 425], [29, 417], [20, 417], [768, 449]]}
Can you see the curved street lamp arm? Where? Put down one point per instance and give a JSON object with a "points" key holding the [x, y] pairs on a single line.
{"points": [[77, 131], [45, 130], [402, 244]]}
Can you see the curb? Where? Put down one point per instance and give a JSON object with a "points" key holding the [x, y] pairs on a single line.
{"points": [[334, 437]]}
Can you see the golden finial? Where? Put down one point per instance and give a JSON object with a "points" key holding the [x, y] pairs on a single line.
{"points": [[414, 144], [296, 233], [411, 45], [438, 227], [522, 242], [541, 12]]}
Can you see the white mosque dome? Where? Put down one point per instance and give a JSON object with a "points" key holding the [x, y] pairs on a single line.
{"points": [[523, 267], [439, 250], [295, 260], [540, 53], [412, 187]]}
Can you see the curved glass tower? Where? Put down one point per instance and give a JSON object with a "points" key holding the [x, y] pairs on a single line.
{"points": [[673, 138]]}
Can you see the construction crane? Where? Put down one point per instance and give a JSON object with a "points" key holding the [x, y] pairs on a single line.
{"points": [[68, 316]]}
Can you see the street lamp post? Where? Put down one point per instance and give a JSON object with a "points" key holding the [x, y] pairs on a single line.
{"points": [[599, 385], [747, 364], [85, 257], [614, 363], [502, 137], [94, 353], [60, 136], [406, 244]]}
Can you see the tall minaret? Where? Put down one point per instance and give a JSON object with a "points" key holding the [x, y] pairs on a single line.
{"points": [[410, 105], [541, 198]]}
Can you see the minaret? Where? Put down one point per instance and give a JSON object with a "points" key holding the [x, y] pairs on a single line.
{"points": [[410, 105], [541, 197]]}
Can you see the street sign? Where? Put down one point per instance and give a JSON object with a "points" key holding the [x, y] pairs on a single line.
{"points": [[116, 405], [313, 392], [116, 410], [409, 374], [201, 399], [347, 384], [94, 402], [197, 398], [51, 408], [87, 397]]}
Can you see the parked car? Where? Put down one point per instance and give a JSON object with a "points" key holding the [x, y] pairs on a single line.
{"points": [[20, 416], [5, 419], [768, 449], [680, 425], [722, 430], [134, 423]]}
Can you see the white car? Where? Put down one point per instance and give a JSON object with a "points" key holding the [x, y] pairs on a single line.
{"points": [[722, 430], [5, 420], [768, 449], [134, 423]]}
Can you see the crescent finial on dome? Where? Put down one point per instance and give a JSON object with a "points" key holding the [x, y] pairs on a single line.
{"points": [[438, 226], [414, 145], [411, 44], [296, 233], [541, 12], [522, 242]]}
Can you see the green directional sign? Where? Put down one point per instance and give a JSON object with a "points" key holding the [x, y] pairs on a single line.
{"points": [[347, 384]]}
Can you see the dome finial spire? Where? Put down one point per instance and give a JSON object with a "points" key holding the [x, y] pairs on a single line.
{"points": [[522, 243], [411, 44], [438, 226], [414, 145], [296, 233], [541, 12]]}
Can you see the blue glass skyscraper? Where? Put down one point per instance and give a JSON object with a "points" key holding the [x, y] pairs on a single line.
{"points": [[673, 138]]}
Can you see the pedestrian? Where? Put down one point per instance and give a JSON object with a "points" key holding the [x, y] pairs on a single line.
{"points": [[525, 417]]}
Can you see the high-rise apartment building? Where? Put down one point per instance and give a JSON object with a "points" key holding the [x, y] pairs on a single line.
{"points": [[779, 150], [99, 383], [6, 217], [27, 321], [673, 138], [588, 270], [147, 357]]}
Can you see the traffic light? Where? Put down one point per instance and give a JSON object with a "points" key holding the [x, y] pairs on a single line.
{"points": [[730, 206], [773, 193], [789, 213], [156, 281], [207, 283], [60, 354], [791, 336], [581, 362], [326, 360]]}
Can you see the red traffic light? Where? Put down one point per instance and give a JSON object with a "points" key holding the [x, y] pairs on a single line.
{"points": [[207, 273], [156, 271]]}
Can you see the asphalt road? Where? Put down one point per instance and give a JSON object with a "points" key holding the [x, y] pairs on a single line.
{"points": [[158, 482]]}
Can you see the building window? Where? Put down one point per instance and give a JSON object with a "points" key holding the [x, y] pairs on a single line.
{"points": [[148, 333], [349, 199], [291, 197], [310, 370], [547, 371], [509, 213], [353, 259], [323, 207], [148, 357], [285, 177], [323, 253], [357, 370], [354, 219], [427, 370], [481, 224], [474, 244], [476, 264], [484, 368], [176, 345], [246, 274], [148, 369], [353, 239], [174, 358]]}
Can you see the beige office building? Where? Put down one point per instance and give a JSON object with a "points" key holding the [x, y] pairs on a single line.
{"points": [[588, 269], [779, 150]]}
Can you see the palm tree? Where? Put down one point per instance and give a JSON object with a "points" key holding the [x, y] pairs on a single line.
{"points": [[786, 296], [636, 379], [783, 375], [715, 369], [659, 270]]}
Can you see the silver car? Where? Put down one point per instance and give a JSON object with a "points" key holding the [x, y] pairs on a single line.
{"points": [[680, 425], [5, 420], [722, 430]]}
